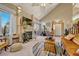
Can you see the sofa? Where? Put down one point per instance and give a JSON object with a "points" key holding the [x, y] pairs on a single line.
{"points": [[70, 46]]}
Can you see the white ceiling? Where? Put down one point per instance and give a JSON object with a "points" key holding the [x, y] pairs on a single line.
{"points": [[37, 10], [76, 11]]}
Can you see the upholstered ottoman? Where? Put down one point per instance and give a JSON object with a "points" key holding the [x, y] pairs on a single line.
{"points": [[16, 47]]}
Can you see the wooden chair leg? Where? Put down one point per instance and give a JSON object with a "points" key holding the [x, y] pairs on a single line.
{"points": [[6, 47], [0, 51], [64, 51]]}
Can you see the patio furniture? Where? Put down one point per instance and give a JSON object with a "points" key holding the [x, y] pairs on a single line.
{"points": [[16, 47]]}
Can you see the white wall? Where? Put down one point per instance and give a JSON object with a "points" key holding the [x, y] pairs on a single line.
{"points": [[61, 12]]}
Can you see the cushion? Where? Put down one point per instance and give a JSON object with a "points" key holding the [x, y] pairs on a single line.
{"points": [[16, 47], [76, 53], [69, 37], [76, 40]]}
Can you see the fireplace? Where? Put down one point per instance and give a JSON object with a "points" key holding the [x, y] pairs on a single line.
{"points": [[27, 36]]}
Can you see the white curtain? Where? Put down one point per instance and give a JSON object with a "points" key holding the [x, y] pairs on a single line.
{"points": [[12, 27], [14, 24]]}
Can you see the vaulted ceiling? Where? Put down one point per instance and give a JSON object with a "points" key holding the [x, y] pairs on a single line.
{"points": [[76, 9], [36, 9]]}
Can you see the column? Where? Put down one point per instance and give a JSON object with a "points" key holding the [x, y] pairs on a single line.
{"points": [[19, 26], [14, 24]]}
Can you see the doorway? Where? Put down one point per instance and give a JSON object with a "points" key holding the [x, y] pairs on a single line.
{"points": [[58, 28]]}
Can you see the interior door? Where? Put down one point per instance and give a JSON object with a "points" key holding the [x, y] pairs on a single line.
{"points": [[58, 29]]}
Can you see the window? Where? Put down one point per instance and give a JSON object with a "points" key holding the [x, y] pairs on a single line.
{"points": [[4, 17], [4, 22]]}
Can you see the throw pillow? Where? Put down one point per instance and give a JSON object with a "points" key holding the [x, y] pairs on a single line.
{"points": [[70, 37], [76, 40]]}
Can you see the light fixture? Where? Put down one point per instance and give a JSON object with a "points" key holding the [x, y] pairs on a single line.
{"points": [[57, 20], [43, 4], [19, 8], [19, 11]]}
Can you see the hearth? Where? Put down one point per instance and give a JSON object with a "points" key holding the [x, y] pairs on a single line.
{"points": [[27, 36]]}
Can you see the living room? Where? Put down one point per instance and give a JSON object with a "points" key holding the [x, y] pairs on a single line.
{"points": [[39, 29]]}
